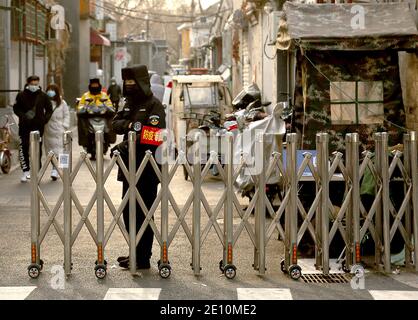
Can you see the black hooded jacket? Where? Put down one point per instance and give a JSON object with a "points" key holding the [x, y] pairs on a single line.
{"points": [[34, 110], [141, 107]]}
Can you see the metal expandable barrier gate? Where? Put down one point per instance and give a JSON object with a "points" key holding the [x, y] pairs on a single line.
{"points": [[322, 220]]}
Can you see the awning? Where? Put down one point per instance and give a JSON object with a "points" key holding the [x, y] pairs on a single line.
{"points": [[97, 39], [332, 27]]}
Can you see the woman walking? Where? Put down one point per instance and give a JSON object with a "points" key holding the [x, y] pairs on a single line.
{"points": [[57, 125]]}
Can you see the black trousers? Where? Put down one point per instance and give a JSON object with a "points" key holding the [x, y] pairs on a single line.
{"points": [[148, 192], [24, 147]]}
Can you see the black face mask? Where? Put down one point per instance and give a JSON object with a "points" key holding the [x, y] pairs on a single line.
{"points": [[95, 90], [131, 89]]}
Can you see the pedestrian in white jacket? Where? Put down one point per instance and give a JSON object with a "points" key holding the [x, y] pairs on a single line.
{"points": [[57, 125]]}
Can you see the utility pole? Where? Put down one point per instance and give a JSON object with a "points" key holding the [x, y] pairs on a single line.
{"points": [[147, 19], [192, 7]]}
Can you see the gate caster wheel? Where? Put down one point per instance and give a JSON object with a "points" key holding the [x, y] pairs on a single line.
{"points": [[100, 271], [221, 266], [41, 263], [282, 266], [34, 271], [358, 270], [164, 270], [230, 271], [295, 272]]}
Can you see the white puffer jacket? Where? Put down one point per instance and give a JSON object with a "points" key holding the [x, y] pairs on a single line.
{"points": [[55, 128]]}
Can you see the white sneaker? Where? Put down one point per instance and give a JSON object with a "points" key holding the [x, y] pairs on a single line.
{"points": [[25, 177], [54, 174]]}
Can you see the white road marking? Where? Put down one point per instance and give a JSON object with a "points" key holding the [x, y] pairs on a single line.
{"points": [[15, 293], [133, 294], [393, 295], [264, 294]]}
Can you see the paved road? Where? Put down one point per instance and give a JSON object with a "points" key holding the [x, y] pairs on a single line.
{"points": [[211, 284]]}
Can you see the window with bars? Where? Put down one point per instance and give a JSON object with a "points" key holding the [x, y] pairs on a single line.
{"points": [[356, 102], [29, 21]]}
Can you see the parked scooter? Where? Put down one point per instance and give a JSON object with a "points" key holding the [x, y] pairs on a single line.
{"points": [[93, 118], [214, 132], [252, 114]]}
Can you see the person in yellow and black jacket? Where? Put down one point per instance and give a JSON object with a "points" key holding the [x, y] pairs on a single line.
{"points": [[95, 104], [144, 114]]}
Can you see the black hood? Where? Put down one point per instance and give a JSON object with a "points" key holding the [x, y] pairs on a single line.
{"points": [[139, 73]]}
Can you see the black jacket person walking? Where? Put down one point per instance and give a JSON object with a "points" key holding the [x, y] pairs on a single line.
{"points": [[34, 109], [144, 114]]}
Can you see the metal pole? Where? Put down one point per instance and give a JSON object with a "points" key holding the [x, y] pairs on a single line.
{"points": [[228, 213], [260, 210], [378, 214], [408, 220], [322, 146], [196, 206], [132, 201], [349, 215], [355, 204], [100, 197], [66, 169], [414, 174], [386, 199], [35, 205], [292, 213], [164, 200]]}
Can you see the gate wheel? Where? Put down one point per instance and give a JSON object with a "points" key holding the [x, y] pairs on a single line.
{"points": [[295, 272], [34, 271], [164, 270], [230, 271], [100, 271]]}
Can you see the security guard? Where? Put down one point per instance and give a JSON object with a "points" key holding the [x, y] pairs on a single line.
{"points": [[144, 114]]}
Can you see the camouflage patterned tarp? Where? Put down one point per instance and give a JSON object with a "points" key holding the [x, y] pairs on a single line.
{"points": [[337, 27], [312, 94]]}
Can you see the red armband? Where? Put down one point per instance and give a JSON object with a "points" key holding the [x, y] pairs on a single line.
{"points": [[151, 135]]}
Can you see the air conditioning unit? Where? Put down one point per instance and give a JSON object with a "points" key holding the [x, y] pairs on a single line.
{"points": [[274, 18]]}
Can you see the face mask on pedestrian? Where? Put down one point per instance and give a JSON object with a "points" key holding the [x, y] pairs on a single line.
{"points": [[51, 94], [33, 88], [95, 89]]}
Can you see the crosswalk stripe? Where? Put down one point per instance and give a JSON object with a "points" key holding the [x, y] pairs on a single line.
{"points": [[264, 294], [133, 294], [393, 295], [15, 293]]}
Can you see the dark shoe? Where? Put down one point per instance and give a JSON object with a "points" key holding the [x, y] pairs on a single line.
{"points": [[120, 259], [124, 264]]}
